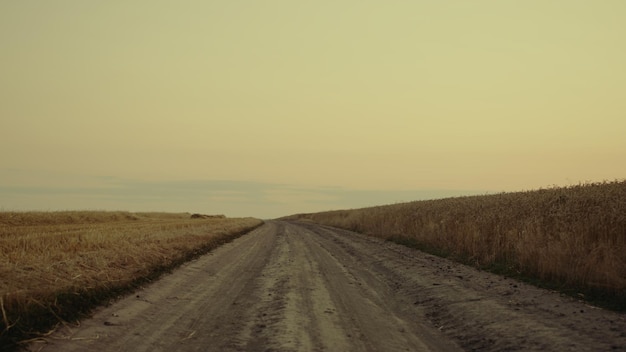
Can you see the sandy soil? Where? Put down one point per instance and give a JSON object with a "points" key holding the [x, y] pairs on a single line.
{"points": [[303, 287]]}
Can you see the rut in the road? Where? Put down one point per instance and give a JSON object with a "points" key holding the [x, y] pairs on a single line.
{"points": [[323, 306]]}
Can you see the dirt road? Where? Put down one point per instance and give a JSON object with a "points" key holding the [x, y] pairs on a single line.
{"points": [[303, 287]]}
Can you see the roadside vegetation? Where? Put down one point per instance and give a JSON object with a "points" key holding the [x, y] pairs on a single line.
{"points": [[571, 239], [55, 266]]}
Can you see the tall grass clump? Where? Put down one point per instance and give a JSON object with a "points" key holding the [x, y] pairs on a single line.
{"points": [[573, 238], [55, 266]]}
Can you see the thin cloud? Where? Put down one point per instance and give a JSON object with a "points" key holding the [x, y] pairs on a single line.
{"points": [[234, 198]]}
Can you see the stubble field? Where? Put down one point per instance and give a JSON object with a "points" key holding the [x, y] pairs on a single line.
{"points": [[56, 265]]}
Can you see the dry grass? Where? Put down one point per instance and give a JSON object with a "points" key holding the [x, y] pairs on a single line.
{"points": [[571, 238], [58, 264]]}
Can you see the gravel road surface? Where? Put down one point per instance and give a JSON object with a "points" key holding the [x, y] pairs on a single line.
{"points": [[290, 286]]}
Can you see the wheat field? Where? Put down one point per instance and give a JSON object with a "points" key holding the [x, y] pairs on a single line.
{"points": [[569, 238], [56, 265]]}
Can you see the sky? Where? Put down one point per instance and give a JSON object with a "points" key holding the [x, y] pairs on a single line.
{"points": [[270, 108]]}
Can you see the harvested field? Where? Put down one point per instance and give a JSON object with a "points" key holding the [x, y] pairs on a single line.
{"points": [[56, 265]]}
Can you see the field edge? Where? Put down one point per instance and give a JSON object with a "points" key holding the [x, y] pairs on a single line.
{"points": [[71, 304]]}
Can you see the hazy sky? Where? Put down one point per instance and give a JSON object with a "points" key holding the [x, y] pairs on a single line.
{"points": [[269, 108]]}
